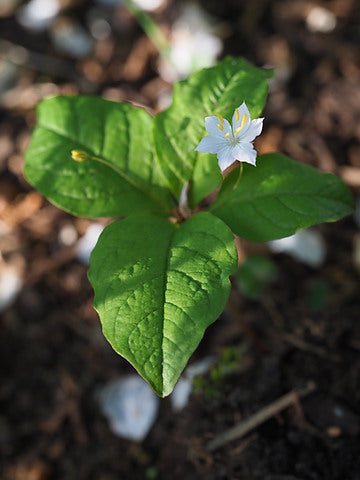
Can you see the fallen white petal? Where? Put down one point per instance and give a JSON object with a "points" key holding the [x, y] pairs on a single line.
{"points": [[149, 5], [10, 285], [130, 406], [307, 246], [87, 243], [320, 20], [181, 393], [37, 15]]}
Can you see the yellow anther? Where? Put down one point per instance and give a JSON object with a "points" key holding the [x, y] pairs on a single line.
{"points": [[220, 117], [79, 155], [227, 135], [220, 126], [243, 121], [237, 115]]}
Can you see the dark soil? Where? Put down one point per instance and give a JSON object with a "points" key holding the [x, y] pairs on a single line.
{"points": [[53, 357]]}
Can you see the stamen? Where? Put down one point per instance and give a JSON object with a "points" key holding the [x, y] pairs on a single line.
{"points": [[243, 121], [220, 117], [220, 126], [227, 135], [237, 115]]}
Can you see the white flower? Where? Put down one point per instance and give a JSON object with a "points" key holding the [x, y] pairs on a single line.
{"points": [[231, 142]]}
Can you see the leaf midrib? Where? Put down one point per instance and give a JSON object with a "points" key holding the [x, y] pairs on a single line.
{"points": [[234, 202], [108, 165], [167, 266]]}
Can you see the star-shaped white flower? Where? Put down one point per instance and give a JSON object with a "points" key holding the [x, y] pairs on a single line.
{"points": [[231, 142]]}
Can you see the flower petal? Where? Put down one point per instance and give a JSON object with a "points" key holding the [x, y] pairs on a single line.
{"points": [[245, 152], [211, 144], [226, 157], [241, 118], [253, 131], [216, 127]]}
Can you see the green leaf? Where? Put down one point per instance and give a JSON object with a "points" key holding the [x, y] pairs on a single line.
{"points": [[278, 197], [158, 286], [123, 178], [179, 129]]}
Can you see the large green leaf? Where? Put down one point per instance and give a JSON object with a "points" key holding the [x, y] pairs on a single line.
{"points": [[124, 177], [278, 197], [179, 129], [158, 286]]}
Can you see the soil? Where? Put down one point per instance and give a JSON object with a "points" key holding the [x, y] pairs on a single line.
{"points": [[53, 357]]}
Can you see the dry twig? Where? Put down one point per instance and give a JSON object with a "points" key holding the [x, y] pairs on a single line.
{"points": [[260, 417]]}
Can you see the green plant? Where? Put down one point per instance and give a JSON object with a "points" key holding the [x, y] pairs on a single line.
{"points": [[161, 275]]}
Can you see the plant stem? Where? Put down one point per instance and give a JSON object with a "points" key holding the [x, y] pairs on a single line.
{"points": [[151, 28]]}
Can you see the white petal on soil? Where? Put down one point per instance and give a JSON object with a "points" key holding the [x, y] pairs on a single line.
{"points": [[86, 243], [321, 20], [307, 246], [10, 285], [67, 235], [130, 406], [180, 396], [194, 43], [181, 393], [37, 15], [199, 368], [149, 5]]}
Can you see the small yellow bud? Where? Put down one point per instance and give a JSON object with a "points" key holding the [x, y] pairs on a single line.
{"points": [[79, 155]]}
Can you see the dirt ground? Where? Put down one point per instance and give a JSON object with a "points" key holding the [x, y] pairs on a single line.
{"points": [[53, 357]]}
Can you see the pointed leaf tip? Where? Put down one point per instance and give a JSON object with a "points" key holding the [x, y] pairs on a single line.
{"points": [[156, 298]]}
